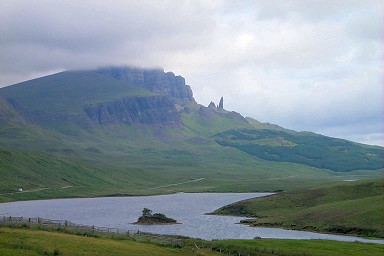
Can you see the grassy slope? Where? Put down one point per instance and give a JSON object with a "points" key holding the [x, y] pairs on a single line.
{"points": [[35, 242], [141, 159], [45, 176], [304, 147], [32, 170], [352, 208], [295, 247], [68, 92]]}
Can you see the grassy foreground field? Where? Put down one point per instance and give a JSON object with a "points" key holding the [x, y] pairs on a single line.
{"points": [[37, 242], [349, 208], [295, 247]]}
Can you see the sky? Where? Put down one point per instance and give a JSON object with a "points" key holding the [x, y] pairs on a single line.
{"points": [[306, 65]]}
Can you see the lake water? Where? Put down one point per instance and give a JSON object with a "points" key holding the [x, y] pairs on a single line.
{"points": [[187, 208]]}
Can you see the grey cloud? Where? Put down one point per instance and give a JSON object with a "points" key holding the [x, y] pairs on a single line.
{"points": [[367, 25], [312, 11], [308, 65], [75, 30]]}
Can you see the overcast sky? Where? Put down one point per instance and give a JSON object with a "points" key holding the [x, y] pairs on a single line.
{"points": [[314, 65]]}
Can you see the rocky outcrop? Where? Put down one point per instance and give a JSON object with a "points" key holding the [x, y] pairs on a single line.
{"points": [[221, 104], [212, 105], [154, 219], [149, 110], [155, 80], [46, 118]]}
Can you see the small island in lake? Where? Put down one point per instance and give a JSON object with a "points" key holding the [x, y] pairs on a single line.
{"points": [[154, 219]]}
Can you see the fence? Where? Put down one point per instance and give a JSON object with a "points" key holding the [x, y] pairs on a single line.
{"points": [[18, 221], [65, 225]]}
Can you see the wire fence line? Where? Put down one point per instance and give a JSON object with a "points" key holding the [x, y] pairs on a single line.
{"points": [[174, 241], [18, 221], [49, 224]]}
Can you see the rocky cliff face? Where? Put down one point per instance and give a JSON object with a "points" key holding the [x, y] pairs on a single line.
{"points": [[151, 110], [46, 118], [155, 80], [103, 97], [148, 110], [212, 105], [221, 103]]}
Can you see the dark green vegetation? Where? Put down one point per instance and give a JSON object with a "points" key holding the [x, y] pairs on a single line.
{"points": [[38, 242], [303, 147], [125, 131], [148, 218], [355, 208]]}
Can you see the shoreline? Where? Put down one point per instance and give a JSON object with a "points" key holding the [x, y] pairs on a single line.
{"points": [[255, 235], [307, 230]]}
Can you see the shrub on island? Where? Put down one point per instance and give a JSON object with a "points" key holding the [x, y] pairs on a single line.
{"points": [[147, 218]]}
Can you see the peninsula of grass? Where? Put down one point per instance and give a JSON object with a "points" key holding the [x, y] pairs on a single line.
{"points": [[353, 208]]}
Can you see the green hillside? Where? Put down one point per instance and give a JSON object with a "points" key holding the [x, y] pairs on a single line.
{"points": [[303, 147], [144, 169], [68, 92], [103, 135], [349, 208]]}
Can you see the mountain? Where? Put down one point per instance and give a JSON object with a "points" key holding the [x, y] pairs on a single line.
{"points": [[124, 130], [154, 80], [82, 97]]}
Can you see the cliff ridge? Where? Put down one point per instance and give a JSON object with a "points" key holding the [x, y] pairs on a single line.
{"points": [[154, 80]]}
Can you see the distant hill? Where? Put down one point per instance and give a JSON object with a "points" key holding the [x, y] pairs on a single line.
{"points": [[145, 130], [304, 147]]}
